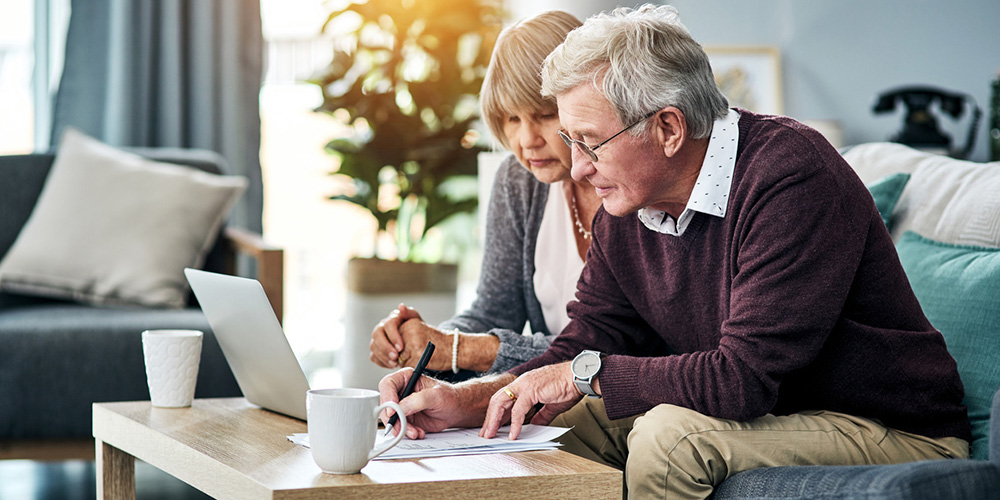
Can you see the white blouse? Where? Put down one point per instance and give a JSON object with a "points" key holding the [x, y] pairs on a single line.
{"points": [[557, 262]]}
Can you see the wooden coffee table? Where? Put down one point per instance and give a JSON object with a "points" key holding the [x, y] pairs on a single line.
{"points": [[229, 448]]}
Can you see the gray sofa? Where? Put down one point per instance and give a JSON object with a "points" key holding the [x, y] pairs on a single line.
{"points": [[954, 269], [926, 480], [58, 357]]}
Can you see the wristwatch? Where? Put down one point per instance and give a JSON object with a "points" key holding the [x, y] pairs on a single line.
{"points": [[585, 367]]}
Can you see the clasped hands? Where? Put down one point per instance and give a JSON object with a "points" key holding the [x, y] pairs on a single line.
{"points": [[399, 340], [436, 405]]}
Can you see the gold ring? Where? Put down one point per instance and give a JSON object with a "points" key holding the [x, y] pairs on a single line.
{"points": [[510, 393], [402, 359]]}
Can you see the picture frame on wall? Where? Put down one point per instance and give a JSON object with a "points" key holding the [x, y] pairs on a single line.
{"points": [[749, 76]]}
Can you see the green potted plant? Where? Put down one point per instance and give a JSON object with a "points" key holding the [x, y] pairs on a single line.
{"points": [[405, 77]]}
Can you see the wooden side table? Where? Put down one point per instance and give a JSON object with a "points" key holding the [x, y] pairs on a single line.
{"points": [[231, 449]]}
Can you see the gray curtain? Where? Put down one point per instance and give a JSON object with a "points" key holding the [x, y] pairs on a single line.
{"points": [[168, 73]]}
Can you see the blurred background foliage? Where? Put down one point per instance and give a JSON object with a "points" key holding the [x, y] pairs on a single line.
{"points": [[405, 77]]}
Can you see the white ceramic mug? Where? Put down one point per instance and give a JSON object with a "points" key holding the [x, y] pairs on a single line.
{"points": [[172, 358], [342, 427]]}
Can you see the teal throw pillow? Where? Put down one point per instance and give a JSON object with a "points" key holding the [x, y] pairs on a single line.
{"points": [[886, 192], [958, 288]]}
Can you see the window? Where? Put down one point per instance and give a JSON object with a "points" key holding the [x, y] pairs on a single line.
{"points": [[17, 129], [32, 41], [318, 235]]}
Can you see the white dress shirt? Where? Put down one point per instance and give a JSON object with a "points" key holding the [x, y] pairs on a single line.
{"points": [[711, 191]]}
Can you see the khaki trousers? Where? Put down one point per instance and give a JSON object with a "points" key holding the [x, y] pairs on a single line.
{"points": [[677, 453]]}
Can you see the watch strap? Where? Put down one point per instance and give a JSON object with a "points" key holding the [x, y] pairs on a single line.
{"points": [[584, 386]]}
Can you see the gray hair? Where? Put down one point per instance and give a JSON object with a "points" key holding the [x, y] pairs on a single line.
{"points": [[641, 60]]}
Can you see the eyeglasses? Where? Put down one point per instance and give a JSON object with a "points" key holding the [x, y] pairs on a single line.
{"points": [[590, 151]]}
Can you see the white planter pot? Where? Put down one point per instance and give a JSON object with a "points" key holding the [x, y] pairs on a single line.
{"points": [[374, 289]]}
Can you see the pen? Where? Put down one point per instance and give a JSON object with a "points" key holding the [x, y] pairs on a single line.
{"points": [[417, 372]]}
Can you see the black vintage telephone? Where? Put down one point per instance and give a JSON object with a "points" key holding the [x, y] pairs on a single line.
{"points": [[920, 127]]}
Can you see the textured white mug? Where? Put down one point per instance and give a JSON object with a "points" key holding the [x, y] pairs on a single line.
{"points": [[172, 359], [342, 427]]}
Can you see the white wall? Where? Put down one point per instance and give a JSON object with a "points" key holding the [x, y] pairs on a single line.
{"points": [[518, 9], [837, 55]]}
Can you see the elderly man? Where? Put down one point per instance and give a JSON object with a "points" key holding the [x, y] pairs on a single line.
{"points": [[742, 304]]}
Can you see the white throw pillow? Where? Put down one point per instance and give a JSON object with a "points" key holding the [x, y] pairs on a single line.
{"points": [[114, 228], [946, 200]]}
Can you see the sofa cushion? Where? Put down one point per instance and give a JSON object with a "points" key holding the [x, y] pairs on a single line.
{"points": [[958, 287], [926, 480], [113, 228], [58, 358], [886, 192], [948, 200]]}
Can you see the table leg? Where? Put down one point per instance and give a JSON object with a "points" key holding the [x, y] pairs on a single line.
{"points": [[115, 473]]}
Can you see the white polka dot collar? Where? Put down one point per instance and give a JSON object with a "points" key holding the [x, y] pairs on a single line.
{"points": [[711, 190]]}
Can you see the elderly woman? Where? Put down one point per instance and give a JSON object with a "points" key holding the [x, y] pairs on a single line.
{"points": [[537, 231]]}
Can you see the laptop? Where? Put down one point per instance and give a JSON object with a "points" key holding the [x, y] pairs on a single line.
{"points": [[252, 341]]}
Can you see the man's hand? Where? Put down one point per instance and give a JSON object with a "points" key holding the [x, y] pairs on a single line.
{"points": [[387, 343], [435, 405], [550, 385]]}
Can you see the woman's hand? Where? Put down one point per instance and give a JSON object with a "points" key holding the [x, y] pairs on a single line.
{"points": [[416, 334], [399, 340], [387, 342]]}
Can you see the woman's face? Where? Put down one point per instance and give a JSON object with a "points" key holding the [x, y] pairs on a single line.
{"points": [[533, 138]]}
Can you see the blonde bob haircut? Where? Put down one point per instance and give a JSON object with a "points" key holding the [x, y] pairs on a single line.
{"points": [[640, 60], [513, 81]]}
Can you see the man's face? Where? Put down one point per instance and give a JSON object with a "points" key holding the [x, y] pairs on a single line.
{"points": [[631, 172]]}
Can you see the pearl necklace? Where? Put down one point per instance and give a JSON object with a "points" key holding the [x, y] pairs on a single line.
{"points": [[576, 218]]}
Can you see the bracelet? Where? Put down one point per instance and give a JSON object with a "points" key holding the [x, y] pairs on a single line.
{"points": [[454, 351]]}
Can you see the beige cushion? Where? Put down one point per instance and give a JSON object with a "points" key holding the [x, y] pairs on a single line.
{"points": [[113, 228], [946, 200]]}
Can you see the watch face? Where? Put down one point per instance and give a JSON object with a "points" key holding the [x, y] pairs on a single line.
{"points": [[586, 365]]}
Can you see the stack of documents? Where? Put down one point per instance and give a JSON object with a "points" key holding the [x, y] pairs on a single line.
{"points": [[454, 442]]}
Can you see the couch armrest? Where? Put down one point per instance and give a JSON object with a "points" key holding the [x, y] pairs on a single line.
{"points": [[270, 263], [995, 429]]}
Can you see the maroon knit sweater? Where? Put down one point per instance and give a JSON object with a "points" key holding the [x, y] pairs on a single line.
{"points": [[794, 301]]}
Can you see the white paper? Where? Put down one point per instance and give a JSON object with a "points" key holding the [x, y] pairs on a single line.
{"points": [[389, 455], [453, 442]]}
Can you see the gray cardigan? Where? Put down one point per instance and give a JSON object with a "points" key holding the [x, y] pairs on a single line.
{"points": [[505, 297]]}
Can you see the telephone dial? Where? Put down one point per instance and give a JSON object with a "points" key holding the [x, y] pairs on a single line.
{"points": [[920, 126]]}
